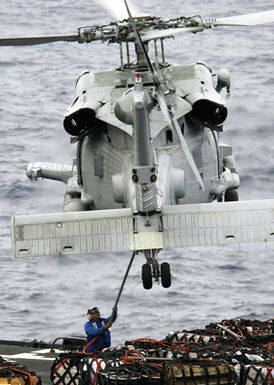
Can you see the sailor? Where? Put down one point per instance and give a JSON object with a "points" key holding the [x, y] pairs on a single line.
{"points": [[97, 329]]}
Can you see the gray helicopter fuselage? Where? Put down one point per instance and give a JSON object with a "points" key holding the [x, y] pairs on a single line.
{"points": [[114, 136], [100, 117]]}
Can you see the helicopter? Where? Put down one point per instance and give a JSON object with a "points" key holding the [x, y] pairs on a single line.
{"points": [[150, 172]]}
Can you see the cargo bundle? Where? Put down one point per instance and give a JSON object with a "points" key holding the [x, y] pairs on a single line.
{"points": [[12, 373], [230, 352]]}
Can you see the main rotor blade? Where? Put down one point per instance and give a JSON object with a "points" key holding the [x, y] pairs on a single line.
{"points": [[32, 40], [242, 20], [117, 9], [169, 32], [245, 20]]}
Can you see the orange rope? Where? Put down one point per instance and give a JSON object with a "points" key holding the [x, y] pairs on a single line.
{"points": [[130, 353], [90, 343]]}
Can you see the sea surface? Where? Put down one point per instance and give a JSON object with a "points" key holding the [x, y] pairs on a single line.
{"points": [[45, 298]]}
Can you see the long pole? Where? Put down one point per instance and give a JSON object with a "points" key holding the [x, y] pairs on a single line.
{"points": [[123, 284]]}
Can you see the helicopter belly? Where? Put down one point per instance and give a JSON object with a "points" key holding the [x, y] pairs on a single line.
{"points": [[204, 151], [205, 155], [100, 158]]}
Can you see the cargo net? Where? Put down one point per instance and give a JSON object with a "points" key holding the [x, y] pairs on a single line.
{"points": [[17, 374], [230, 352]]}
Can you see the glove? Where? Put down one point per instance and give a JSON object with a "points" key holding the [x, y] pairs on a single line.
{"points": [[114, 313]]}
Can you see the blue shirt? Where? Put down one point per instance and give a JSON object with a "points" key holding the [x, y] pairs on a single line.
{"points": [[95, 328]]}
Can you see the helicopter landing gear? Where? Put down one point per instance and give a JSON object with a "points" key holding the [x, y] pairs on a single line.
{"points": [[165, 275], [152, 270], [147, 276]]}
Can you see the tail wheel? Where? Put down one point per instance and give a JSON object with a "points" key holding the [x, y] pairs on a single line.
{"points": [[231, 196], [147, 276], [165, 275]]}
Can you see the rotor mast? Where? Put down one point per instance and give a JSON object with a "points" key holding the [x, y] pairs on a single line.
{"points": [[140, 57], [125, 58]]}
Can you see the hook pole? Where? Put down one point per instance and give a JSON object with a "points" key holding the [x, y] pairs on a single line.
{"points": [[123, 284]]}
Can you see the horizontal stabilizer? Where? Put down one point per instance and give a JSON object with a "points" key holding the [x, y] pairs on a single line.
{"points": [[72, 233], [218, 223], [202, 224]]}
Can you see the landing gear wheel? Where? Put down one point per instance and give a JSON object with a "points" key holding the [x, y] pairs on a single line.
{"points": [[231, 196], [147, 276], [165, 275]]}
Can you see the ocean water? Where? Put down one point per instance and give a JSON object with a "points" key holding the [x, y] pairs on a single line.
{"points": [[45, 298]]}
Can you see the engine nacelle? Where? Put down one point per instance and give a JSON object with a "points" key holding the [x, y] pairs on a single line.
{"points": [[79, 121], [208, 106], [89, 97]]}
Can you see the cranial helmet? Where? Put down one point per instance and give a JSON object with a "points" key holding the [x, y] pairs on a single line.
{"points": [[92, 310]]}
